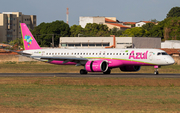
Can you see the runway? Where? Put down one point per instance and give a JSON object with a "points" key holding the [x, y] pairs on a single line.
{"points": [[113, 75]]}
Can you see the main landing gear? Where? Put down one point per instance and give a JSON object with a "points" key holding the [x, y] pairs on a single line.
{"points": [[107, 72], [156, 70], [83, 71]]}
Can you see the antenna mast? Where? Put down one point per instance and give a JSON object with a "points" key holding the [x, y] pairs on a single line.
{"points": [[67, 13]]}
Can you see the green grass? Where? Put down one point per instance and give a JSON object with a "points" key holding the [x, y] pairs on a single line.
{"points": [[54, 94]]}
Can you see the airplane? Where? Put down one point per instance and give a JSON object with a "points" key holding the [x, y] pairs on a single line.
{"points": [[95, 60]]}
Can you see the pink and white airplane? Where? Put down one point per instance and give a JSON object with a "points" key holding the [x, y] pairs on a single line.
{"points": [[96, 60]]}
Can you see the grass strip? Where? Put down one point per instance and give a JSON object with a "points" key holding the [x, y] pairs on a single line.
{"points": [[55, 94]]}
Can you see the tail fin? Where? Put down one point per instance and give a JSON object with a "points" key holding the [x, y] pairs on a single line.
{"points": [[28, 39]]}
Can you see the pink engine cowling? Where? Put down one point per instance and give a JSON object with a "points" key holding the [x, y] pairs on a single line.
{"points": [[130, 68], [96, 66]]}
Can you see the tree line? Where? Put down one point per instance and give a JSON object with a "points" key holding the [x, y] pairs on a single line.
{"points": [[167, 29]]}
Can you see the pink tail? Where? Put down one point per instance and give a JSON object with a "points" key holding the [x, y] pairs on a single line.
{"points": [[28, 39]]}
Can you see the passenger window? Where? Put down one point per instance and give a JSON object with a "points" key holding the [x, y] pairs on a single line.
{"points": [[107, 53], [113, 53], [119, 53], [116, 53], [49, 53], [127, 53]]}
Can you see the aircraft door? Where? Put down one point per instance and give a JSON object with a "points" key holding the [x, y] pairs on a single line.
{"points": [[151, 56]]}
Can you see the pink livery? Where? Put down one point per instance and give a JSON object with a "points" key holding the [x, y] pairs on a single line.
{"points": [[28, 39], [96, 60]]}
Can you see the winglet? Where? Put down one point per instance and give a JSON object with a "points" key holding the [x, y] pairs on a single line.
{"points": [[28, 39]]}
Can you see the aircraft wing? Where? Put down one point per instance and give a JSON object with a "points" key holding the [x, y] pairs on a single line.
{"points": [[65, 59]]}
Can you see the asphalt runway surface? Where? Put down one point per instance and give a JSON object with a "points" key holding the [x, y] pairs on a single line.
{"points": [[113, 75]]}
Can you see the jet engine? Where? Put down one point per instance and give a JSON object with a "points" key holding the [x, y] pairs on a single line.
{"points": [[96, 66], [130, 68]]}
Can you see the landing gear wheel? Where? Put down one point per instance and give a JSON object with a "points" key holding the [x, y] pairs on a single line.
{"points": [[83, 71], [107, 72], [156, 72]]}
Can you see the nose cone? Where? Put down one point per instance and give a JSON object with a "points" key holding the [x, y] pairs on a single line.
{"points": [[170, 60]]}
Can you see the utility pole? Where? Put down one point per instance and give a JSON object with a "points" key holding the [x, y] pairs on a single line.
{"points": [[53, 40]]}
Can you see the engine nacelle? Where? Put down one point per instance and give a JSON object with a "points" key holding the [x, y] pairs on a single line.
{"points": [[96, 66], [130, 68]]}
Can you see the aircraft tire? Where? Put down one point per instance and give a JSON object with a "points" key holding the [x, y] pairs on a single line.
{"points": [[107, 72], [156, 72], [83, 71]]}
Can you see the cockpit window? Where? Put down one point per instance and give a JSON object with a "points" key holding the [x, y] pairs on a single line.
{"points": [[162, 53], [158, 53]]}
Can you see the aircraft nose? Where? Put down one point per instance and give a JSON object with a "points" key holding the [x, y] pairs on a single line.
{"points": [[170, 60]]}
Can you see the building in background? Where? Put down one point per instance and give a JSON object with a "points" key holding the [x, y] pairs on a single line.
{"points": [[133, 24], [10, 25], [171, 44], [141, 23], [111, 22], [103, 42]]}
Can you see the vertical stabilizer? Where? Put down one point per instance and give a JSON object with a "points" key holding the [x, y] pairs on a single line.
{"points": [[28, 39]]}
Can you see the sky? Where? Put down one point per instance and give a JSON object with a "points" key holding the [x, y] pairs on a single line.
{"points": [[124, 10]]}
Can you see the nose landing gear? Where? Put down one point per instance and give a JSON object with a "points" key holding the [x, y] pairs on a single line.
{"points": [[156, 70]]}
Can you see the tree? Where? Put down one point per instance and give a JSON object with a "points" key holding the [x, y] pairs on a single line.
{"points": [[174, 12], [154, 21], [17, 43], [148, 26], [115, 31], [158, 30], [75, 30], [93, 29], [45, 31], [172, 28], [134, 32]]}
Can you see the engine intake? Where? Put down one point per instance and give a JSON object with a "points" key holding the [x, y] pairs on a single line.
{"points": [[96, 66], [130, 68]]}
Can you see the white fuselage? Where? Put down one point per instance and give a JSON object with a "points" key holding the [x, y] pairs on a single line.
{"points": [[149, 56]]}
